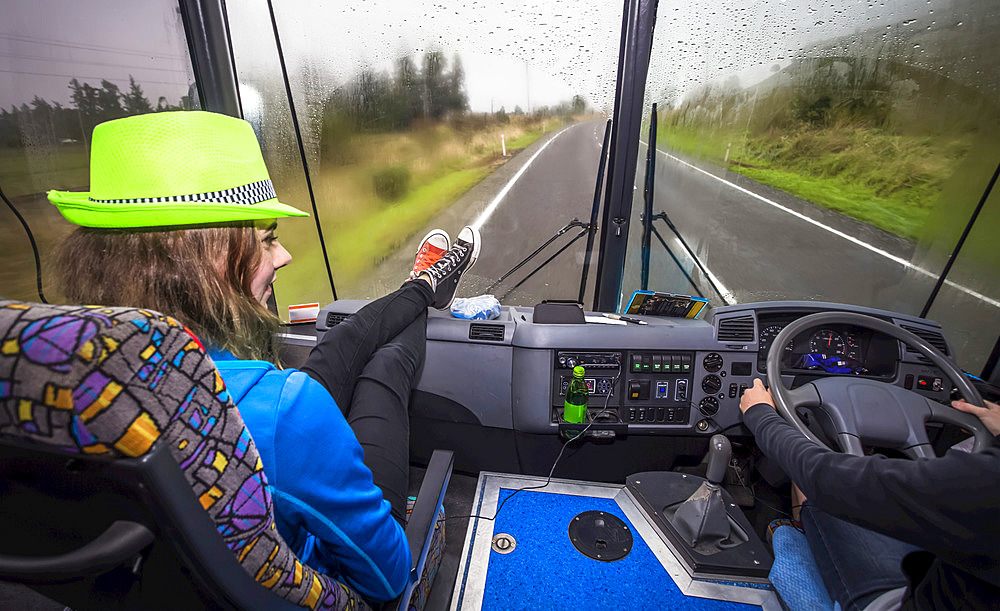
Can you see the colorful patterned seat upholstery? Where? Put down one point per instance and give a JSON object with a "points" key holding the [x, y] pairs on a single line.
{"points": [[118, 382]]}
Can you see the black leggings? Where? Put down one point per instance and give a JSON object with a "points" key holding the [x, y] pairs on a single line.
{"points": [[368, 363]]}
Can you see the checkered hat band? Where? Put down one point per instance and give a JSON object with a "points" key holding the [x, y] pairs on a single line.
{"points": [[253, 193]]}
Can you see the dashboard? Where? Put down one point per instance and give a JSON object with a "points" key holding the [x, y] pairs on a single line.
{"points": [[670, 377]]}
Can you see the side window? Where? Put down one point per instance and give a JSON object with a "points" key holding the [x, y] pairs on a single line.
{"points": [[64, 68]]}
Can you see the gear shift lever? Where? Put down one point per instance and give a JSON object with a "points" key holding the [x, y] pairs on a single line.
{"points": [[719, 452], [701, 520]]}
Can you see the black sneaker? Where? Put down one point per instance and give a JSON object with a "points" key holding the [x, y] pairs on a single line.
{"points": [[447, 272]]}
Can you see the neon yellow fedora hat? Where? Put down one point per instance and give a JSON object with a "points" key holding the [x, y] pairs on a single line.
{"points": [[173, 168]]}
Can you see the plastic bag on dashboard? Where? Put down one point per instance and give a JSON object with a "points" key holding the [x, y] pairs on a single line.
{"points": [[483, 307]]}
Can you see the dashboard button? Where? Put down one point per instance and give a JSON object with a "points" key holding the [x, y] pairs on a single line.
{"points": [[709, 406], [711, 384], [732, 390], [681, 390]]}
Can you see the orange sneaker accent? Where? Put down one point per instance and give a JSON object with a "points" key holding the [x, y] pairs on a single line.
{"points": [[427, 256]]}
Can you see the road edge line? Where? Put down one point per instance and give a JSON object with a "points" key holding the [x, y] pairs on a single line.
{"points": [[837, 232], [493, 205]]}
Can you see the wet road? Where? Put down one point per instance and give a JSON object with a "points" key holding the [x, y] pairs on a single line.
{"points": [[758, 243], [517, 208]]}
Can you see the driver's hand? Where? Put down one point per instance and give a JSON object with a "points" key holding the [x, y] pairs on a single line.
{"points": [[990, 415], [758, 393]]}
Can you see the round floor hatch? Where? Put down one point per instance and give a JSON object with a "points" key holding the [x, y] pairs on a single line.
{"points": [[601, 536], [503, 543]]}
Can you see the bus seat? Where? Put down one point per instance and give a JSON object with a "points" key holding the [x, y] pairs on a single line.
{"points": [[128, 479]]}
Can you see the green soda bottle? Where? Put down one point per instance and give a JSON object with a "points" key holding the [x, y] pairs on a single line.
{"points": [[575, 405]]}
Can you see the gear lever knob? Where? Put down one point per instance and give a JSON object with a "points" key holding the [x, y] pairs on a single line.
{"points": [[719, 451]]}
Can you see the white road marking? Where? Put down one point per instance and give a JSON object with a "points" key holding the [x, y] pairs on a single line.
{"points": [[993, 302], [485, 215], [727, 296]]}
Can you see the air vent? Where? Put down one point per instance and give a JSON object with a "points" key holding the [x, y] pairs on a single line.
{"points": [[933, 338], [736, 329], [486, 333], [333, 319]]}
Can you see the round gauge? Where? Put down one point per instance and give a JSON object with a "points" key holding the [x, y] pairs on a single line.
{"points": [[709, 406], [852, 346], [711, 384], [712, 362], [768, 335], [826, 341]]}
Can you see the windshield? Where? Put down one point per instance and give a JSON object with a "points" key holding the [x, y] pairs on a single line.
{"points": [[825, 151], [417, 115], [829, 152]]}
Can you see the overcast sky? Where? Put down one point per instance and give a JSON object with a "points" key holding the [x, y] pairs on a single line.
{"points": [[514, 52], [45, 43]]}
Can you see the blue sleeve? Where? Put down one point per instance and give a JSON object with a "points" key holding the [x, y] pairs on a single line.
{"points": [[321, 485]]}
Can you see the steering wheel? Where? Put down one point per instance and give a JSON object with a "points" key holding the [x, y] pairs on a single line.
{"points": [[879, 413]]}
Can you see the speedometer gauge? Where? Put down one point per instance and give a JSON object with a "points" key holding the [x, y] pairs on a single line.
{"points": [[826, 341], [767, 336]]}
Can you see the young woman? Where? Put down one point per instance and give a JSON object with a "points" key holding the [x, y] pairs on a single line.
{"points": [[181, 218]]}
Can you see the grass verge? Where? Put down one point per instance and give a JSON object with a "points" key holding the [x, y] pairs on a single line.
{"points": [[383, 231], [888, 180]]}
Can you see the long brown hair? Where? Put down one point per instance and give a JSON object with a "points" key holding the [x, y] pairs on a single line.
{"points": [[201, 276]]}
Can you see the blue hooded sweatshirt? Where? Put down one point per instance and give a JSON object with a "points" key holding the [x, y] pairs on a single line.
{"points": [[326, 506]]}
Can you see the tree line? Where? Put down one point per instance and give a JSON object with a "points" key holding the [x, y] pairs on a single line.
{"points": [[382, 101], [42, 122]]}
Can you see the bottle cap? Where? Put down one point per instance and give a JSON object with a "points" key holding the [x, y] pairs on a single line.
{"points": [[578, 371]]}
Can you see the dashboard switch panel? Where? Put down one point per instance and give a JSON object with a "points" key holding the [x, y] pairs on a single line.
{"points": [[651, 387]]}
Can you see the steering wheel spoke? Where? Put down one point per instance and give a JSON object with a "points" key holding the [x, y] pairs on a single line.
{"points": [[804, 396], [923, 450], [850, 444]]}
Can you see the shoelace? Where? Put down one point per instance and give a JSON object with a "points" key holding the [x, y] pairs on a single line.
{"points": [[448, 262], [426, 257]]}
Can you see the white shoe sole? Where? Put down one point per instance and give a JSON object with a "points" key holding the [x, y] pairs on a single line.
{"points": [[477, 245]]}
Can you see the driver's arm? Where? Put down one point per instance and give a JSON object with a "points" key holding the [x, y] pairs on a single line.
{"points": [[941, 505]]}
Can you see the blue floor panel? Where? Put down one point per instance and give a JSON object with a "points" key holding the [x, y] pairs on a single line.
{"points": [[546, 567]]}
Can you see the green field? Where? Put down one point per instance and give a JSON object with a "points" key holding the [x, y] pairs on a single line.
{"points": [[43, 168], [887, 180]]}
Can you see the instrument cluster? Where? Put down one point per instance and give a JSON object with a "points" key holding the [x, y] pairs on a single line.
{"points": [[832, 349]]}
